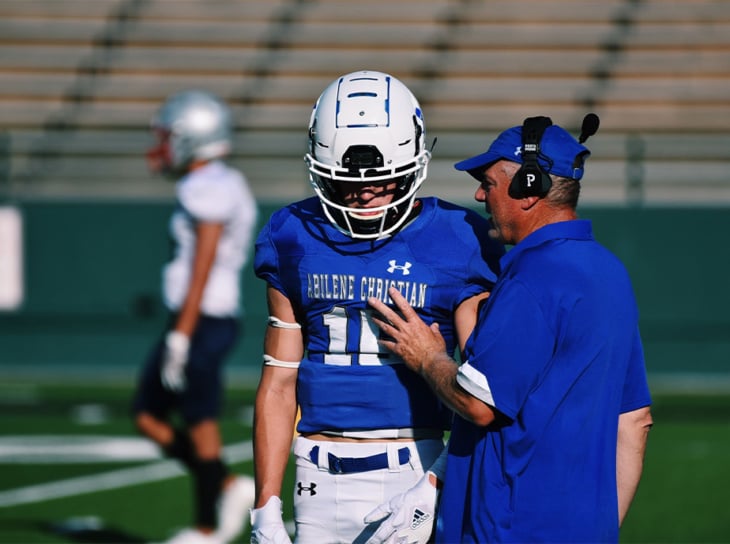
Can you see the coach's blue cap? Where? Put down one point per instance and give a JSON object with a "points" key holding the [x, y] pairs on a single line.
{"points": [[560, 153]]}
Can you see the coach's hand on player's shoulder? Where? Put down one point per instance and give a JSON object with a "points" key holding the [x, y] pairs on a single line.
{"points": [[174, 360], [267, 524], [408, 517]]}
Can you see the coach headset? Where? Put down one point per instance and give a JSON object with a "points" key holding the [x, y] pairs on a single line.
{"points": [[532, 179]]}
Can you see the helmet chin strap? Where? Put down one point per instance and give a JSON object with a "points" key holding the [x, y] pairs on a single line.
{"points": [[374, 227], [357, 214], [356, 226]]}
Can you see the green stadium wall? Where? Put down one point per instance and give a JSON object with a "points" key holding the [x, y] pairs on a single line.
{"points": [[92, 286]]}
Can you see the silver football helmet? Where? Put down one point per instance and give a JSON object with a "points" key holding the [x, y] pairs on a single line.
{"points": [[190, 125], [367, 127]]}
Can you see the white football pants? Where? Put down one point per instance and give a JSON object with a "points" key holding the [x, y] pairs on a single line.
{"points": [[329, 507]]}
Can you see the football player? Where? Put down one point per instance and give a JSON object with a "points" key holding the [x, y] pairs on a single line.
{"points": [[212, 229], [370, 434]]}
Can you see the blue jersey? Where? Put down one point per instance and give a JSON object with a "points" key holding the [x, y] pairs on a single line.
{"points": [[557, 352], [347, 381]]}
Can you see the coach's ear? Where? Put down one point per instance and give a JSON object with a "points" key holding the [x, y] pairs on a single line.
{"points": [[528, 202]]}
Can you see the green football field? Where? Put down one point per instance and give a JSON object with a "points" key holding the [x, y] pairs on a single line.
{"points": [[73, 470]]}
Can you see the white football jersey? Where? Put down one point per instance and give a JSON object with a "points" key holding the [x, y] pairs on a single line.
{"points": [[214, 193]]}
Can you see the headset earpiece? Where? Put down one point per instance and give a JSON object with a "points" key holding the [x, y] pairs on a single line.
{"points": [[531, 179]]}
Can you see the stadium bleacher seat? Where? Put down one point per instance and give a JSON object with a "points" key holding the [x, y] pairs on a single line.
{"points": [[80, 79]]}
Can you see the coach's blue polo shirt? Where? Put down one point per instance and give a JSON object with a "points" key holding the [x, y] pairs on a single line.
{"points": [[557, 352]]}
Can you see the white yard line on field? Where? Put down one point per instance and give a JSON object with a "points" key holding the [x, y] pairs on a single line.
{"points": [[59, 450], [235, 453]]}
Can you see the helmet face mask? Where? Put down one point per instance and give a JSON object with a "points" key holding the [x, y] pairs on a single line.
{"points": [[191, 125], [159, 156], [367, 128]]}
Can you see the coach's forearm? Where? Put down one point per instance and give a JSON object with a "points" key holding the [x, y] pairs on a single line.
{"points": [[633, 432], [440, 371]]}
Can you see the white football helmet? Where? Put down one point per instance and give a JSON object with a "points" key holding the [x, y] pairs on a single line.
{"points": [[190, 125], [367, 127]]}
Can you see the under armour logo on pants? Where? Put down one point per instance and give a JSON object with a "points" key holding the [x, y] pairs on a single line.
{"points": [[311, 488]]}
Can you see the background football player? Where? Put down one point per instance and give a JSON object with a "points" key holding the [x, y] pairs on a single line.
{"points": [[369, 430], [212, 229]]}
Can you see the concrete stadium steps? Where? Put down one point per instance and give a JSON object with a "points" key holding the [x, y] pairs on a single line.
{"points": [[103, 162], [466, 34], [80, 79], [376, 10], [242, 62], [642, 103]]}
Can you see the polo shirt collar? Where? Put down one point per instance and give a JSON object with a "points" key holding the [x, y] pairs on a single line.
{"points": [[575, 229]]}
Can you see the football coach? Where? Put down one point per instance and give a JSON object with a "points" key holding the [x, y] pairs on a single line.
{"points": [[552, 402]]}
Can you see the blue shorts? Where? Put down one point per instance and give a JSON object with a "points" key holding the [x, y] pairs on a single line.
{"points": [[202, 399]]}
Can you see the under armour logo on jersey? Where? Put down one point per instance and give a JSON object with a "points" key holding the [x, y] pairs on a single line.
{"points": [[404, 268], [310, 488], [518, 150], [419, 518]]}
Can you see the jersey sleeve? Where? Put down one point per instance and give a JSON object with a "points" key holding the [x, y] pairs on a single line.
{"points": [[481, 265], [266, 259]]}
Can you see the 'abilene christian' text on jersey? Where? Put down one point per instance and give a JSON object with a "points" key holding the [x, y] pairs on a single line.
{"points": [[347, 381]]}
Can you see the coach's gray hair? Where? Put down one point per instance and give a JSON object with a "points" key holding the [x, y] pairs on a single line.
{"points": [[564, 192]]}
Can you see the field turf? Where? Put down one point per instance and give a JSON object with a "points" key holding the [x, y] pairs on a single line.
{"points": [[139, 497]]}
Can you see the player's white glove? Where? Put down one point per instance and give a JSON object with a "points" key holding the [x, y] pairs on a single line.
{"points": [[410, 516], [174, 360], [267, 524]]}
